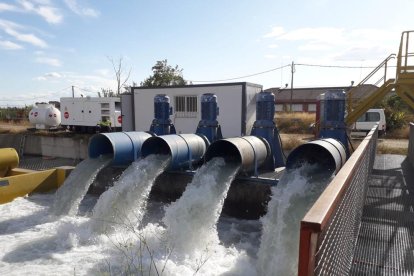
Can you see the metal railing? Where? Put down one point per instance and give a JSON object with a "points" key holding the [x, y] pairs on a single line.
{"points": [[377, 77], [405, 58], [411, 145], [329, 230]]}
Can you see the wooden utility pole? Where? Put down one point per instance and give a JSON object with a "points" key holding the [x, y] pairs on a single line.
{"points": [[292, 67]]}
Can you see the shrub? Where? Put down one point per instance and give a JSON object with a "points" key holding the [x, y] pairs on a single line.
{"points": [[295, 122], [395, 112]]}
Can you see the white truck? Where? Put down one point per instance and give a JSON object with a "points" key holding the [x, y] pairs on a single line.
{"points": [[86, 114], [367, 121]]}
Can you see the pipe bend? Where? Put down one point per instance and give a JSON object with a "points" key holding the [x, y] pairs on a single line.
{"points": [[9, 159]]}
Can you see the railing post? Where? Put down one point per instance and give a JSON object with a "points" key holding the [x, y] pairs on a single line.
{"points": [[406, 48], [307, 251]]}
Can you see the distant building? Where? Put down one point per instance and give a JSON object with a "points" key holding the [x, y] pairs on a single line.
{"points": [[304, 99]]}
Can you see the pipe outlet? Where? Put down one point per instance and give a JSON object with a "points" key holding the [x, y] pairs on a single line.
{"points": [[125, 147], [250, 152], [329, 154], [184, 149]]}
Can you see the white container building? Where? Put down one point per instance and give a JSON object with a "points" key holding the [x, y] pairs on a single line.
{"points": [[85, 113], [237, 103]]}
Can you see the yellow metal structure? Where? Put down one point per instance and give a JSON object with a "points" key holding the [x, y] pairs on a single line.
{"points": [[402, 84], [9, 159], [18, 182]]}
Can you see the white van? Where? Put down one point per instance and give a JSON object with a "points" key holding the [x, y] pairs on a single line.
{"points": [[367, 121]]}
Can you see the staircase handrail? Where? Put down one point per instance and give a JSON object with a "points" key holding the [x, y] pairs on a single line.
{"points": [[404, 38], [383, 63]]}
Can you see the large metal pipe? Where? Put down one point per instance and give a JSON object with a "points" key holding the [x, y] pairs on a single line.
{"points": [[125, 147], [250, 152], [184, 149], [9, 159], [329, 154]]}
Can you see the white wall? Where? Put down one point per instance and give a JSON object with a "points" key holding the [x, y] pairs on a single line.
{"points": [[251, 107], [229, 101]]}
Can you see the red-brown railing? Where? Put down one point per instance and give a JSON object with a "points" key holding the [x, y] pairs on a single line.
{"points": [[329, 230]]}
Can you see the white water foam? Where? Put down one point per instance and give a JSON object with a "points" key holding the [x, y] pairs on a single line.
{"points": [[123, 205], [32, 246], [191, 220], [292, 197], [36, 245], [70, 194]]}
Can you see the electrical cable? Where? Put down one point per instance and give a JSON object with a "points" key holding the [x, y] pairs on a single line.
{"points": [[350, 143], [246, 76], [336, 66], [289, 65]]}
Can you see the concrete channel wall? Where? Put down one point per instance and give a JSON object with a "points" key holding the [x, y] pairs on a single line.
{"points": [[411, 144], [46, 146]]}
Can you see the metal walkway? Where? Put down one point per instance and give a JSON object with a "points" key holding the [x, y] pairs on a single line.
{"points": [[385, 243], [41, 163]]}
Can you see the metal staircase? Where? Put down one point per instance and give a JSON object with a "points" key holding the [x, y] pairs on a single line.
{"points": [[21, 145], [402, 84]]}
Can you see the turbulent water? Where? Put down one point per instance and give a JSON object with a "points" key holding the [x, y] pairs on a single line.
{"points": [[33, 245], [191, 220], [123, 205], [186, 237], [70, 194], [293, 196]]}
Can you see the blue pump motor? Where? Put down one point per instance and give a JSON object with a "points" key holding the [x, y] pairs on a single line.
{"points": [[332, 117], [208, 125], [265, 127], [162, 125]]}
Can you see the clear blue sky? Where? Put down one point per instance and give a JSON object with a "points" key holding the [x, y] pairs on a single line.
{"points": [[46, 46]]}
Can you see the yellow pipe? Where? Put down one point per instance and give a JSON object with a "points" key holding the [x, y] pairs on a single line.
{"points": [[9, 159], [24, 182]]}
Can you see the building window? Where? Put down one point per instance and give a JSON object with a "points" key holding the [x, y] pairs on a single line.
{"points": [[311, 107], [297, 107], [186, 106], [279, 107]]}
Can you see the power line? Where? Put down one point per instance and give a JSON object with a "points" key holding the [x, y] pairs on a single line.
{"points": [[289, 65], [247, 76], [35, 98], [336, 66]]}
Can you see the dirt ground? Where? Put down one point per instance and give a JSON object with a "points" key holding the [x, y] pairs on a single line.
{"points": [[289, 141], [392, 146]]}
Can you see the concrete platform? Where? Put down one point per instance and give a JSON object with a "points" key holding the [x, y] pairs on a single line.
{"points": [[385, 243]]}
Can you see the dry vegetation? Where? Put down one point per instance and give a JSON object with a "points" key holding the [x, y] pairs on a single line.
{"points": [[289, 143], [387, 149], [402, 133], [295, 122]]}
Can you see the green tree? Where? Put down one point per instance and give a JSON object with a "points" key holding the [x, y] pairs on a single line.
{"points": [[395, 111], [164, 75]]}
